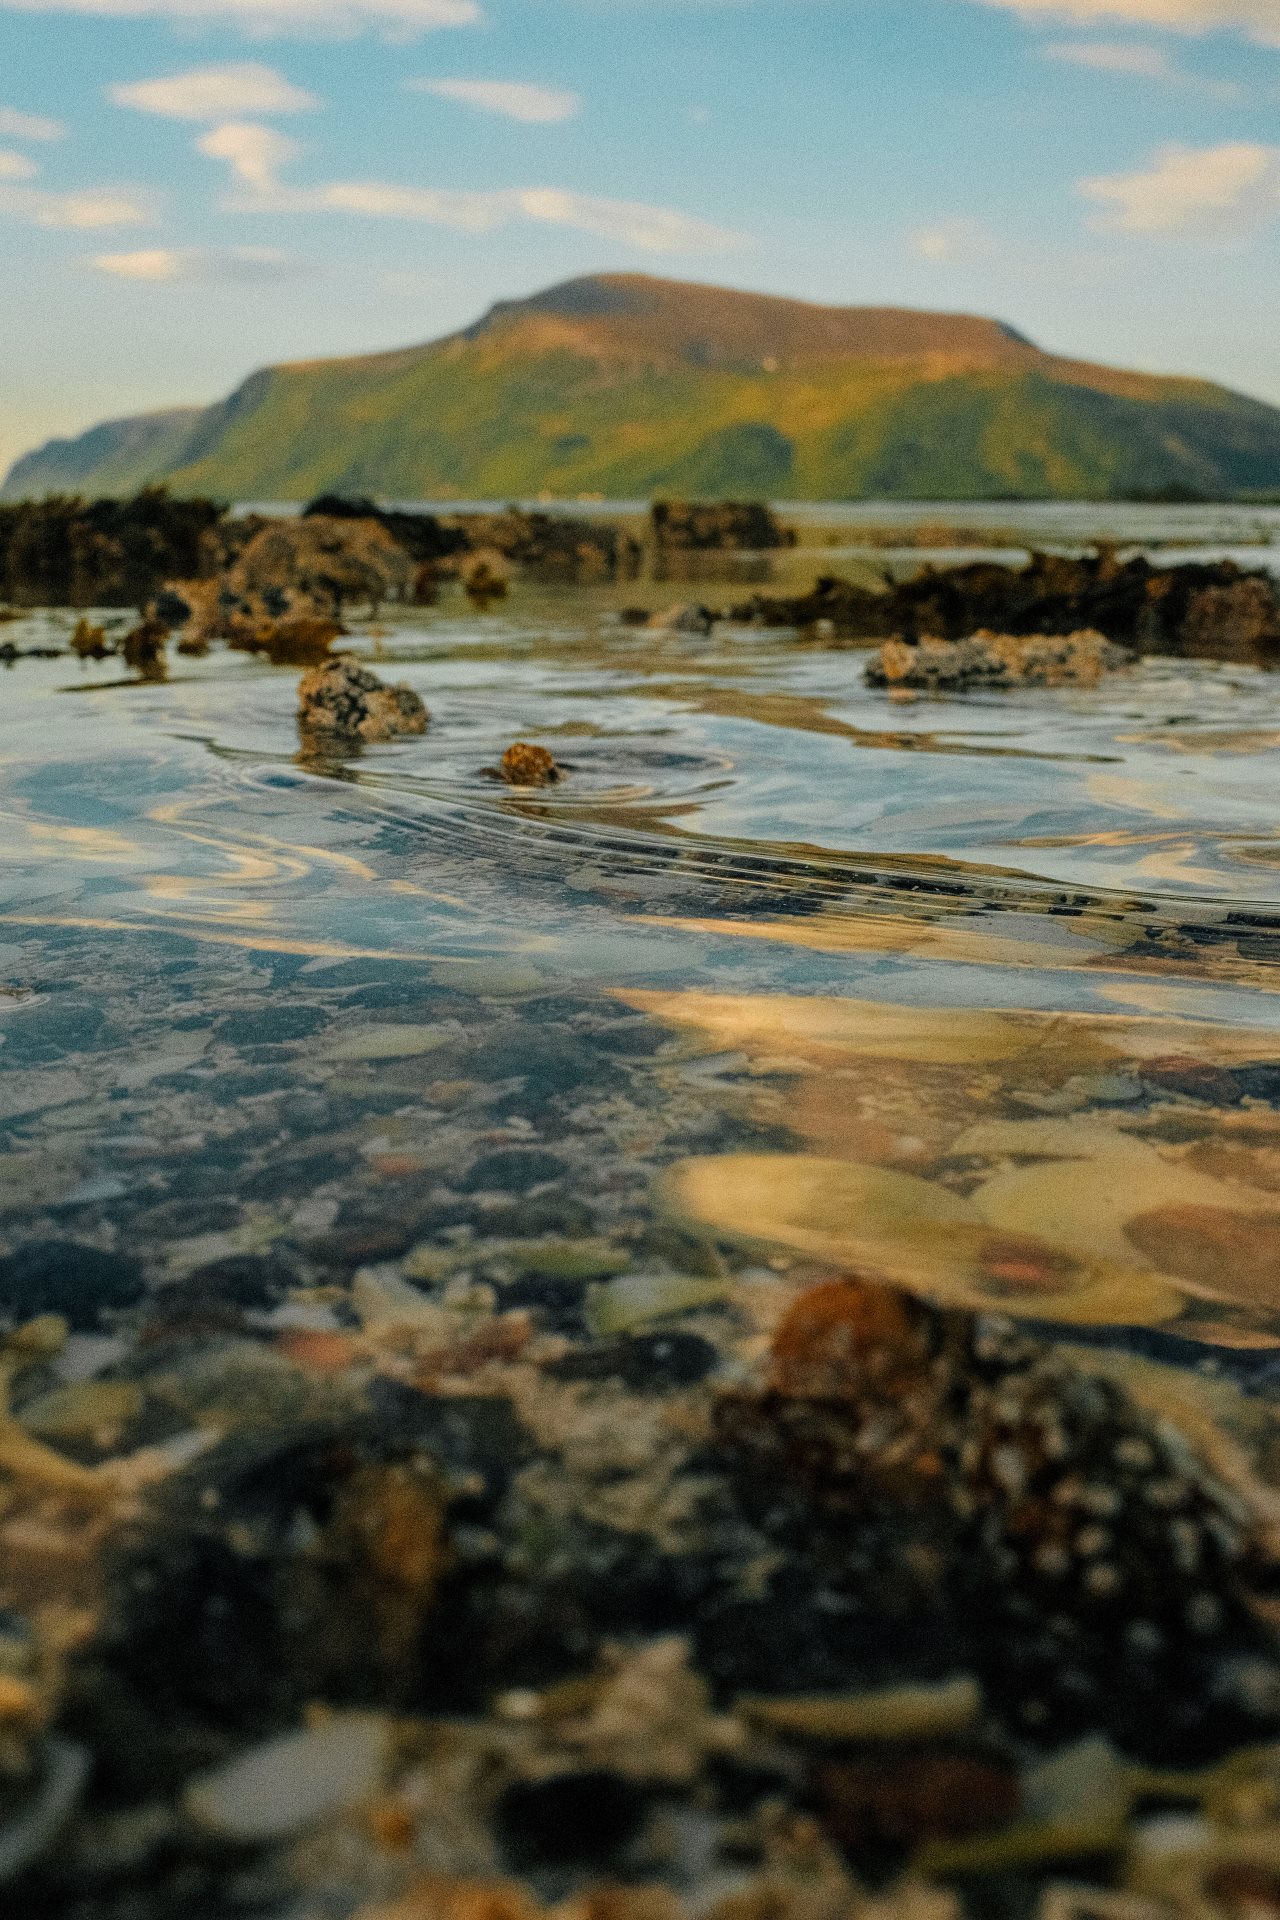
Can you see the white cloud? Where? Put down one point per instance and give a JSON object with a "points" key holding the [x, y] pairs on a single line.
{"points": [[198, 265], [651, 229], [16, 166], [513, 99], [90, 207], [1113, 56], [1258, 19], [648, 229], [952, 241], [254, 154], [382, 200], [28, 126], [631, 223], [396, 19], [1213, 190], [215, 93]]}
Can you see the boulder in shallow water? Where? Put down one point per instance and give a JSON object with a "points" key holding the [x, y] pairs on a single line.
{"points": [[689, 618], [999, 660], [523, 765], [1239, 622], [344, 699]]}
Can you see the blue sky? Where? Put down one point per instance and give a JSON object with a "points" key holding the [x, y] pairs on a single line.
{"points": [[191, 188]]}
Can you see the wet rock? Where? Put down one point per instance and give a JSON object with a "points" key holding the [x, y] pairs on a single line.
{"points": [[1001, 660], [64, 1277], [584, 1816], [485, 576], [546, 546], [344, 700], [902, 1713], [684, 526], [89, 642], [142, 649], [272, 1022], [319, 564], [549, 1060], [1133, 603], [1054, 1512], [1239, 622], [686, 617], [288, 1784], [240, 1280], [35, 1817], [649, 1362], [921, 1796], [514, 1170], [523, 765], [299, 640]]}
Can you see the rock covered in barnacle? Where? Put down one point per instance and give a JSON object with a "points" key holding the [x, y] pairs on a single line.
{"points": [[344, 699], [1106, 1572], [999, 660], [523, 765]]}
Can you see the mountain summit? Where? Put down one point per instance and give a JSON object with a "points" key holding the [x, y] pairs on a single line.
{"points": [[626, 386]]}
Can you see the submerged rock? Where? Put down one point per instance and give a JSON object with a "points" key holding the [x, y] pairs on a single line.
{"points": [[345, 700], [996, 660], [299, 640], [142, 649], [486, 576], [88, 641], [688, 617], [288, 1784]]}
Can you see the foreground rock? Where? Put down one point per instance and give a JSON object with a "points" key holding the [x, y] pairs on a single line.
{"points": [[1213, 612], [523, 765], [996, 660], [344, 700]]}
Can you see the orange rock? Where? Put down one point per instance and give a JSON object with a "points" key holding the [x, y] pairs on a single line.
{"points": [[526, 766], [838, 1334], [914, 1797], [397, 1515], [1235, 1256], [319, 1352], [437, 1898]]}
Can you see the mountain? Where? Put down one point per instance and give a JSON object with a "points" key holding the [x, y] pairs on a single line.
{"points": [[626, 386], [118, 457]]}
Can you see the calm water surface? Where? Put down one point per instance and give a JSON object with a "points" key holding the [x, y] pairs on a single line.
{"points": [[312, 1071]]}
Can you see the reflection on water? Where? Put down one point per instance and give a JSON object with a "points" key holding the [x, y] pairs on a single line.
{"points": [[332, 1095]]}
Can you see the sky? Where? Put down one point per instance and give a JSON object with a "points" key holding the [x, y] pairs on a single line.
{"points": [[193, 188]]}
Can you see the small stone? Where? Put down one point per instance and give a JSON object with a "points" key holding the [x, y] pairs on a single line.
{"points": [[343, 699], [999, 660], [386, 1041], [523, 765], [64, 1277], [895, 1713], [288, 1784], [513, 1170]]}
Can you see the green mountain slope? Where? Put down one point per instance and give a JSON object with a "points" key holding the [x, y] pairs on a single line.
{"points": [[116, 458], [626, 386]]}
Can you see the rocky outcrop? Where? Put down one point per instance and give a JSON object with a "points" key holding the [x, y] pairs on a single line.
{"points": [[996, 660], [345, 702], [317, 564], [737, 526], [1214, 611], [551, 546]]}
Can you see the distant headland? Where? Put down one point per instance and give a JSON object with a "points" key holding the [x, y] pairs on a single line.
{"points": [[622, 386]]}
